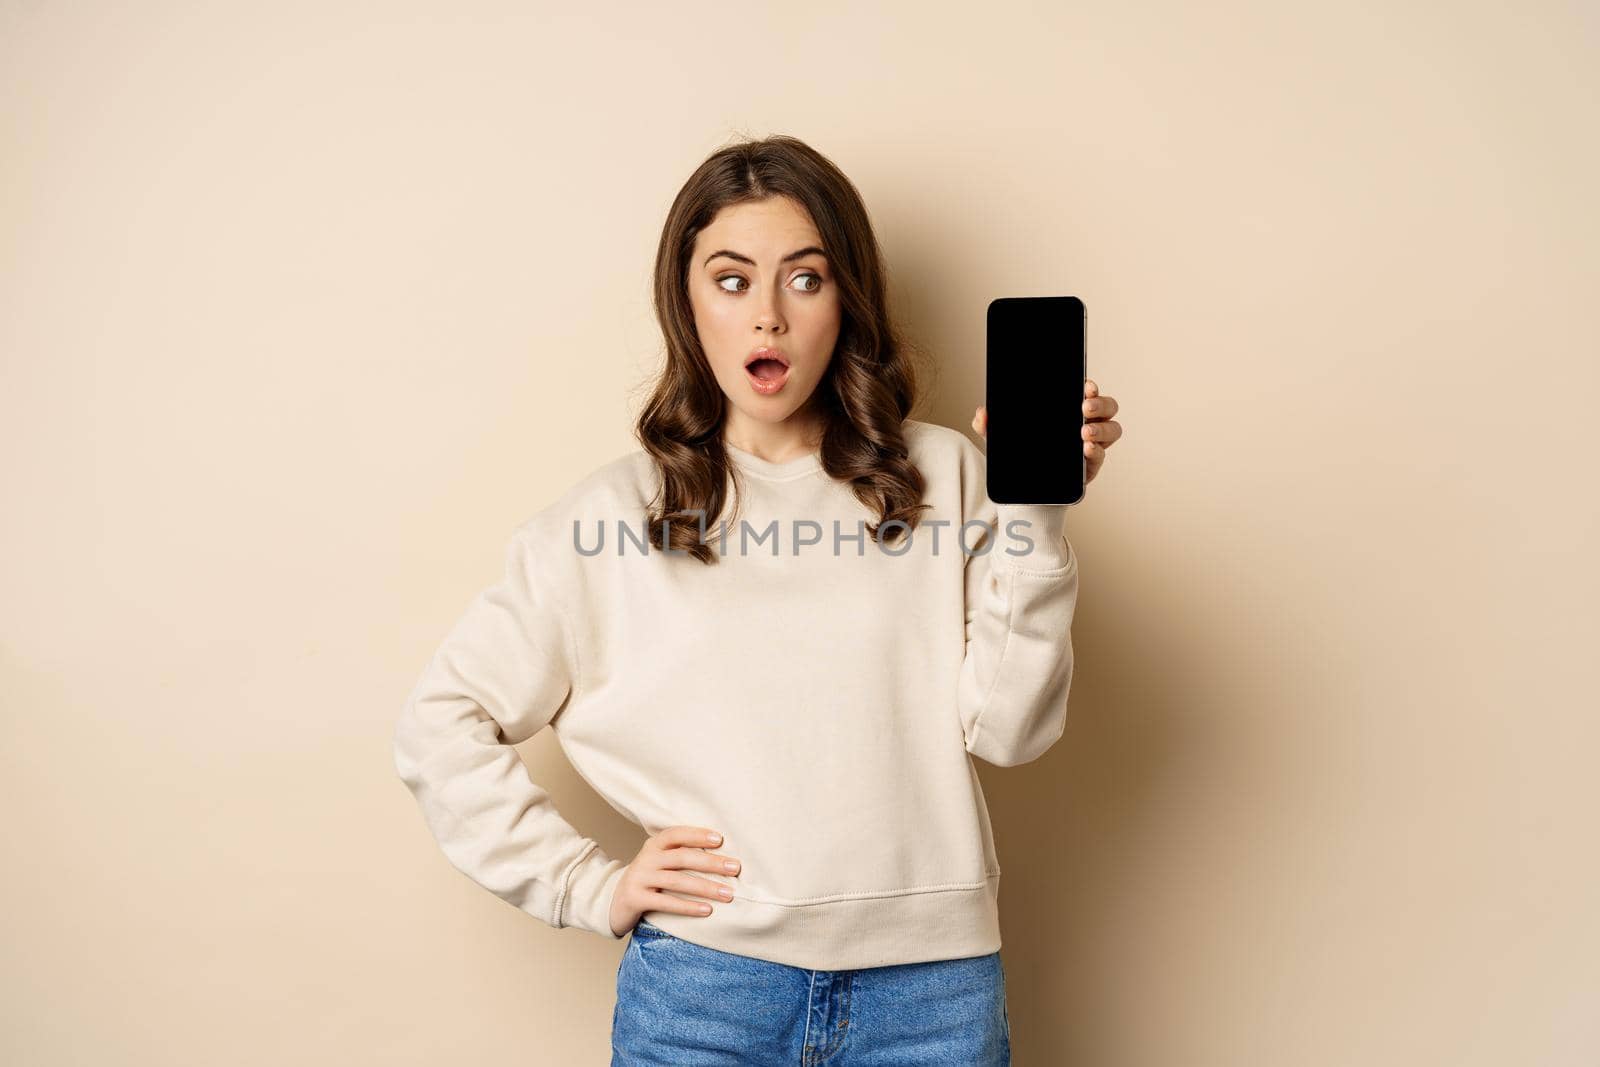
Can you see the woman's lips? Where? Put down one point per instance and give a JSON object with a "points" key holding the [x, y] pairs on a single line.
{"points": [[767, 376]]}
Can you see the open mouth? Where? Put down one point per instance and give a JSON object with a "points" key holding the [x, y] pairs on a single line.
{"points": [[768, 369]]}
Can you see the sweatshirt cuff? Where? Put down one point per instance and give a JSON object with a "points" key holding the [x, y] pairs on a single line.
{"points": [[590, 889], [1046, 528]]}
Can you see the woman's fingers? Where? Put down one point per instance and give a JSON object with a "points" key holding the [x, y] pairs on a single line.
{"points": [[1093, 457], [693, 885], [1101, 432], [1099, 407], [683, 848], [686, 836], [693, 859], [660, 900]]}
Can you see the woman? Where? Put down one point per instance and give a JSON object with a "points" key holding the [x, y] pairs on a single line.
{"points": [[792, 616]]}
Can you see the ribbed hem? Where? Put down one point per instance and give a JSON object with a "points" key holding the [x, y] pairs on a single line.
{"points": [[846, 935], [1047, 526]]}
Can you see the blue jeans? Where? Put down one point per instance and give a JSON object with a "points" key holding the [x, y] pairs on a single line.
{"points": [[685, 1005]]}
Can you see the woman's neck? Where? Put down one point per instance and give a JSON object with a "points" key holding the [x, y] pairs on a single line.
{"points": [[776, 443]]}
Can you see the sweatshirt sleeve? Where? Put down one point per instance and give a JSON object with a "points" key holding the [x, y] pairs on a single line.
{"points": [[505, 669], [1020, 600]]}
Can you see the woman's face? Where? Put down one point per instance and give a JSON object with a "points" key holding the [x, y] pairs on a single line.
{"points": [[748, 290]]}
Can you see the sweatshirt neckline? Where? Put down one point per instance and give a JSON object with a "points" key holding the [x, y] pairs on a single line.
{"points": [[753, 464]]}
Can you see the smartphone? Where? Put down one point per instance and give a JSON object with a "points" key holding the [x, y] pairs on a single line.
{"points": [[1037, 363]]}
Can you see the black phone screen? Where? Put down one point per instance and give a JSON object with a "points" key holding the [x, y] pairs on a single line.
{"points": [[1036, 366]]}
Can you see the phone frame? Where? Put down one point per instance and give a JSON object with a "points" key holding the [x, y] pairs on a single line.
{"points": [[1083, 461]]}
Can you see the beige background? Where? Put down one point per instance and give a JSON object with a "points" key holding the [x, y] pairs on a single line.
{"points": [[304, 306]]}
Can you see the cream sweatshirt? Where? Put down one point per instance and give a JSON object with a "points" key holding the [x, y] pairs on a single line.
{"points": [[813, 695]]}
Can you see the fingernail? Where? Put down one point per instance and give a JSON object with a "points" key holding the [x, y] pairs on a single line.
{"points": [[715, 839]]}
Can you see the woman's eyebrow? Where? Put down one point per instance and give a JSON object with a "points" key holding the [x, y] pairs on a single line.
{"points": [[797, 254]]}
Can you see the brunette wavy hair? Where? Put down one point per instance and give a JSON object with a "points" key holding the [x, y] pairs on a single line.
{"points": [[864, 397]]}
